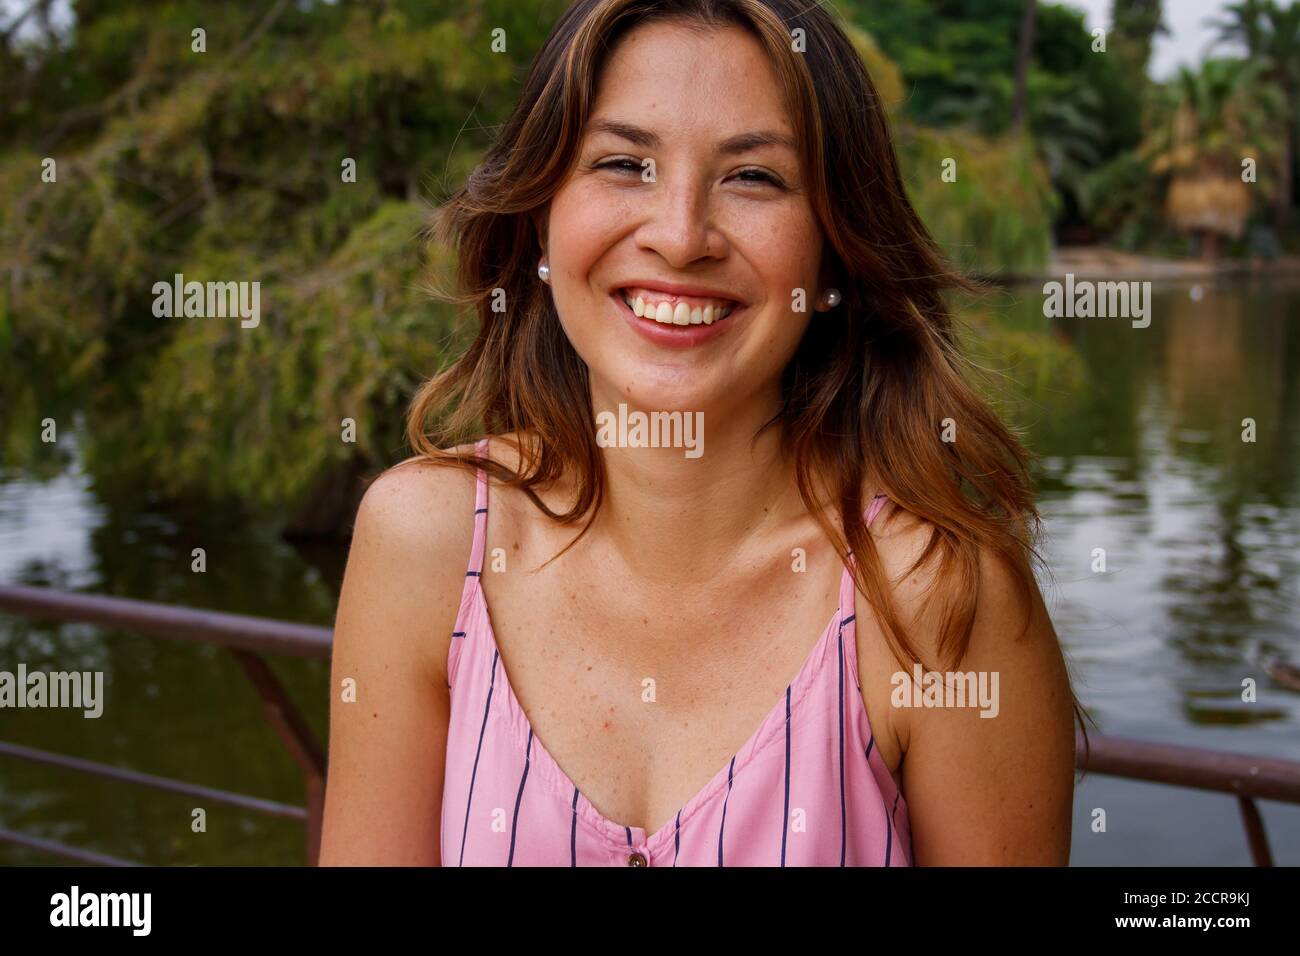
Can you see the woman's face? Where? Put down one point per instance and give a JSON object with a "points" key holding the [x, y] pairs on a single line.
{"points": [[685, 195]]}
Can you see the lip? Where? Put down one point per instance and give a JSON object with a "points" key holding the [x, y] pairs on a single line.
{"points": [[672, 288], [675, 336]]}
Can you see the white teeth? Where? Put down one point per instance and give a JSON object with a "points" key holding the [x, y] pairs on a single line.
{"points": [[680, 314]]}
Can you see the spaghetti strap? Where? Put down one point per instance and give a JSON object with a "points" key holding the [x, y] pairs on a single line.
{"points": [[475, 568], [877, 502], [848, 588], [473, 572], [506, 801]]}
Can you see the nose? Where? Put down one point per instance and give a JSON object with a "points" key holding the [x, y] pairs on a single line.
{"points": [[679, 222]]}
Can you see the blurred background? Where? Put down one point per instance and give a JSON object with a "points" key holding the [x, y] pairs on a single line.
{"points": [[1102, 138]]}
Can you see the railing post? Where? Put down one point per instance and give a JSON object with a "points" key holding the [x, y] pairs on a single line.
{"points": [[297, 736], [315, 817], [1255, 836]]}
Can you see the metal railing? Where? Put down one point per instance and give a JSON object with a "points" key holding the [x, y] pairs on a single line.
{"points": [[247, 638], [1246, 777]]}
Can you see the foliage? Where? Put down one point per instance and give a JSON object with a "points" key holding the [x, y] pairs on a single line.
{"points": [[995, 218], [958, 57], [1211, 118], [1271, 35], [1204, 123], [1120, 199], [227, 164]]}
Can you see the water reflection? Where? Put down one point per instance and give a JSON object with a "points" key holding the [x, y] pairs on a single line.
{"points": [[1139, 437], [1201, 532]]}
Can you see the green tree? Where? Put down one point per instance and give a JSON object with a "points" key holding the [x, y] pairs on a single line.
{"points": [[229, 164], [1134, 26], [1271, 36], [1204, 122]]}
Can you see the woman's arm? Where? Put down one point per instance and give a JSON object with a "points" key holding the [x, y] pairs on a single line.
{"points": [[397, 609], [993, 790]]}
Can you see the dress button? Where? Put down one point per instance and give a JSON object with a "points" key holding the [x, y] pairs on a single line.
{"points": [[636, 859]]}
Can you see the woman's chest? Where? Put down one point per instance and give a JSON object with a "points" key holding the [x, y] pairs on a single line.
{"points": [[640, 695]]}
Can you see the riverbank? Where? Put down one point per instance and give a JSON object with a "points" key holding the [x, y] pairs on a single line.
{"points": [[1099, 262]]}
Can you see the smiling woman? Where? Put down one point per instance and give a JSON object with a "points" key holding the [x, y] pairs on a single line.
{"points": [[695, 209]]}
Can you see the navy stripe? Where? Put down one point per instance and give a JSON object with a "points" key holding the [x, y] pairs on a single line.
{"points": [[677, 837], [889, 828], [480, 511], [457, 633], [470, 796], [785, 825], [844, 823], [519, 797], [881, 495], [723, 826], [473, 574], [889, 839], [848, 620], [573, 834], [870, 743]]}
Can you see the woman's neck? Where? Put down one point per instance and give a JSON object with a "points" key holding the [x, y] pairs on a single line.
{"points": [[672, 517]]}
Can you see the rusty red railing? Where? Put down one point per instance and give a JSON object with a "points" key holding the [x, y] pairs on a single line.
{"points": [[1248, 778], [247, 638]]}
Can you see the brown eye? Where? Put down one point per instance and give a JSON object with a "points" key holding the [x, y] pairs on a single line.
{"points": [[753, 175], [622, 164]]}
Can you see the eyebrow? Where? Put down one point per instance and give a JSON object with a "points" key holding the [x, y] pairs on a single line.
{"points": [[740, 143]]}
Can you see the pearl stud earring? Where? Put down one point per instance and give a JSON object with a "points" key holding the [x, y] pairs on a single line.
{"points": [[544, 272], [831, 297]]}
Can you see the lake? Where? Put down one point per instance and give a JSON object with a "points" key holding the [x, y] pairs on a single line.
{"points": [[1140, 456]]}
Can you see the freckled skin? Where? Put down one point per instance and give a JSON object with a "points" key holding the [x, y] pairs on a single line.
{"points": [[680, 546], [699, 221]]}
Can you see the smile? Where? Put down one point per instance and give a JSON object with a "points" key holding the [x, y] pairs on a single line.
{"points": [[677, 317], [676, 309]]}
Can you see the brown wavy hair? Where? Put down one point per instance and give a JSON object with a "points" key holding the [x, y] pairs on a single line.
{"points": [[870, 384]]}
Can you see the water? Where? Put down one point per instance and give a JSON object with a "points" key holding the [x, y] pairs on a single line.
{"points": [[1201, 532], [1141, 456]]}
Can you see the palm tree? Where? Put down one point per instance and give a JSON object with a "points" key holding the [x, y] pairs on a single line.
{"points": [[1134, 27], [1024, 52], [1271, 35], [1204, 122], [1244, 23]]}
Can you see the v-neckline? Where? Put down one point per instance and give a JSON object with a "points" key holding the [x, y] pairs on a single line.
{"points": [[534, 749]]}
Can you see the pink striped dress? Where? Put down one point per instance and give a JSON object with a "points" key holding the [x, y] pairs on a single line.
{"points": [[809, 788]]}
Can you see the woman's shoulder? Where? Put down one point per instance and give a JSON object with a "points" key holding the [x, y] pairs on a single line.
{"points": [[1010, 632], [421, 510], [420, 503], [411, 543], [924, 586], [958, 766]]}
